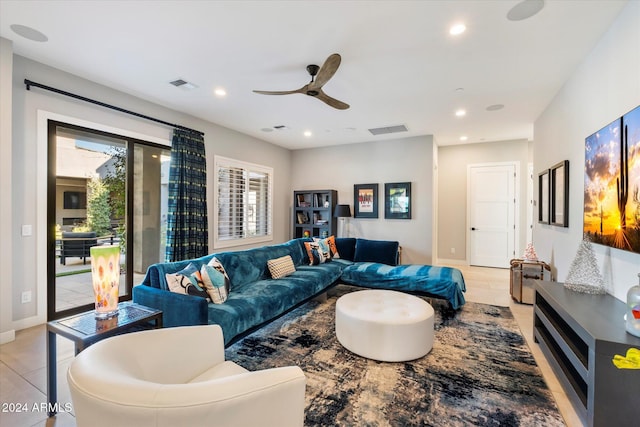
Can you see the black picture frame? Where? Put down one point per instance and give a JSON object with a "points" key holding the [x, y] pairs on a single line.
{"points": [[397, 200], [559, 196], [544, 185], [365, 200]]}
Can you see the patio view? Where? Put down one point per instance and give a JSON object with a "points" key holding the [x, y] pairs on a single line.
{"points": [[91, 202]]}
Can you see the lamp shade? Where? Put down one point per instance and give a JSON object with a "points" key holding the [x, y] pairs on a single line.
{"points": [[342, 211]]}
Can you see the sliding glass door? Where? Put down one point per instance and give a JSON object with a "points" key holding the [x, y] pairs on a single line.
{"points": [[103, 189]]}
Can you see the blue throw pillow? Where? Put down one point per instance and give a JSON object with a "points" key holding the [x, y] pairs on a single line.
{"points": [[346, 247], [382, 251]]}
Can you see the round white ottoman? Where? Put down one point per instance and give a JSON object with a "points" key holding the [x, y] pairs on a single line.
{"points": [[384, 325]]}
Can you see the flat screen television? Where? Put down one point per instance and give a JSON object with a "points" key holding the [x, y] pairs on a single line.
{"points": [[612, 184]]}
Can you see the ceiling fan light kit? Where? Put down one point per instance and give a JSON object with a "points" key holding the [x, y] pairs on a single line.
{"points": [[319, 77]]}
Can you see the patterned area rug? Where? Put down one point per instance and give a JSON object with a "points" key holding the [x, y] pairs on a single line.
{"points": [[480, 371]]}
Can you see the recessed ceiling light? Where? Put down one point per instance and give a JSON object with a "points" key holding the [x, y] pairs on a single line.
{"points": [[307, 133], [220, 92], [463, 138], [29, 33], [461, 113], [495, 107], [525, 9], [459, 89], [457, 29]]}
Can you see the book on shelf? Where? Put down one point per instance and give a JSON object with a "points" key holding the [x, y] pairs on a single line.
{"points": [[302, 218], [302, 202]]}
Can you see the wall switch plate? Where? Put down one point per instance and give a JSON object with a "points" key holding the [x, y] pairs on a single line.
{"points": [[26, 297]]}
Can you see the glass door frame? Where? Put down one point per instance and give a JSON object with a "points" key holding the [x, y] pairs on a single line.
{"points": [[130, 143]]}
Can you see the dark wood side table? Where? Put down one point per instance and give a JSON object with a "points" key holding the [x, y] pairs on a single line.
{"points": [[84, 329]]}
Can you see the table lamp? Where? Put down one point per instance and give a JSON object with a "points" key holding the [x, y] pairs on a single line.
{"points": [[105, 274], [341, 212]]}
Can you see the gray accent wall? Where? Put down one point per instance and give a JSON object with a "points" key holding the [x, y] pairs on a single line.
{"points": [[396, 160], [21, 187]]}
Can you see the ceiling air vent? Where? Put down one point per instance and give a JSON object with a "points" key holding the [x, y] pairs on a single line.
{"points": [[388, 129], [183, 84]]}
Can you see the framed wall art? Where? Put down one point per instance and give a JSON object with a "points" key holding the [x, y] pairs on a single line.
{"points": [[611, 215], [559, 177], [543, 197], [397, 200], [365, 200]]}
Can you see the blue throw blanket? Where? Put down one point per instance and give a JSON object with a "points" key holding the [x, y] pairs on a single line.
{"points": [[441, 282]]}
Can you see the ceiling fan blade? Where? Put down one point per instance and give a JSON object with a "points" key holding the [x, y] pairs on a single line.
{"points": [[282, 92], [331, 101], [327, 71]]}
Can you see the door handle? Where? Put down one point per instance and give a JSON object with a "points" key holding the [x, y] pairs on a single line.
{"points": [[473, 229]]}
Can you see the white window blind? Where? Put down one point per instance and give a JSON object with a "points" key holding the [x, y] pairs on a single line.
{"points": [[244, 202]]}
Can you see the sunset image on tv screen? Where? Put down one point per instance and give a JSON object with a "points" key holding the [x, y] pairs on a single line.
{"points": [[612, 184]]}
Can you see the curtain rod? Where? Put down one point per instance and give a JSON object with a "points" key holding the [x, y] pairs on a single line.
{"points": [[29, 83]]}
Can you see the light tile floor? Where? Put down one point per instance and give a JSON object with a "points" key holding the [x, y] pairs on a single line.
{"points": [[23, 361]]}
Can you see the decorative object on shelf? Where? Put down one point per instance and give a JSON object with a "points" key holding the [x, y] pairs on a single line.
{"points": [[397, 200], [630, 361], [365, 200], [342, 212], [633, 309], [302, 218], [105, 273], [584, 275], [530, 253], [306, 233]]}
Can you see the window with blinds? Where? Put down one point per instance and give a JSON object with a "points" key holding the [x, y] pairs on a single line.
{"points": [[244, 202]]}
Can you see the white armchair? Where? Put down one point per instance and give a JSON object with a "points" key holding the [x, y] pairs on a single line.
{"points": [[178, 377]]}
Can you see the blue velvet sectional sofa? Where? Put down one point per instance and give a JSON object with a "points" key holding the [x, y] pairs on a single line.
{"points": [[255, 298]]}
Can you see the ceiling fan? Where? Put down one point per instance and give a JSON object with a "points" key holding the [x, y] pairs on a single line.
{"points": [[319, 77]]}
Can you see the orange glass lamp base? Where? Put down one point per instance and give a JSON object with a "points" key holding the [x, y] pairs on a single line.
{"points": [[105, 273]]}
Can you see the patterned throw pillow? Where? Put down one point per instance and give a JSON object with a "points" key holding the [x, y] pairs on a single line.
{"points": [[316, 253], [187, 281], [281, 267], [328, 245], [215, 280]]}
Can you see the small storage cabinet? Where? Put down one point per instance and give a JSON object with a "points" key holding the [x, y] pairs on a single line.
{"points": [[524, 273], [580, 334], [313, 213]]}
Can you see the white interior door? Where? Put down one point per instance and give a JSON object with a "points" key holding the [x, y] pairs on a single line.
{"points": [[491, 202]]}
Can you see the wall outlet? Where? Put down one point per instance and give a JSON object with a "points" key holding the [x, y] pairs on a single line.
{"points": [[27, 230], [26, 297], [453, 250]]}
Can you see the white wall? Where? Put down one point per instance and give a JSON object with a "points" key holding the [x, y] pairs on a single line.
{"points": [[399, 160], [27, 177], [452, 198], [605, 86], [6, 222]]}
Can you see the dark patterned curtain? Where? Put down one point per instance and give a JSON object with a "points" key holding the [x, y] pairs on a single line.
{"points": [[187, 231]]}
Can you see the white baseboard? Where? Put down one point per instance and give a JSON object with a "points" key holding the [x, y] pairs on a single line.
{"points": [[7, 336]]}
